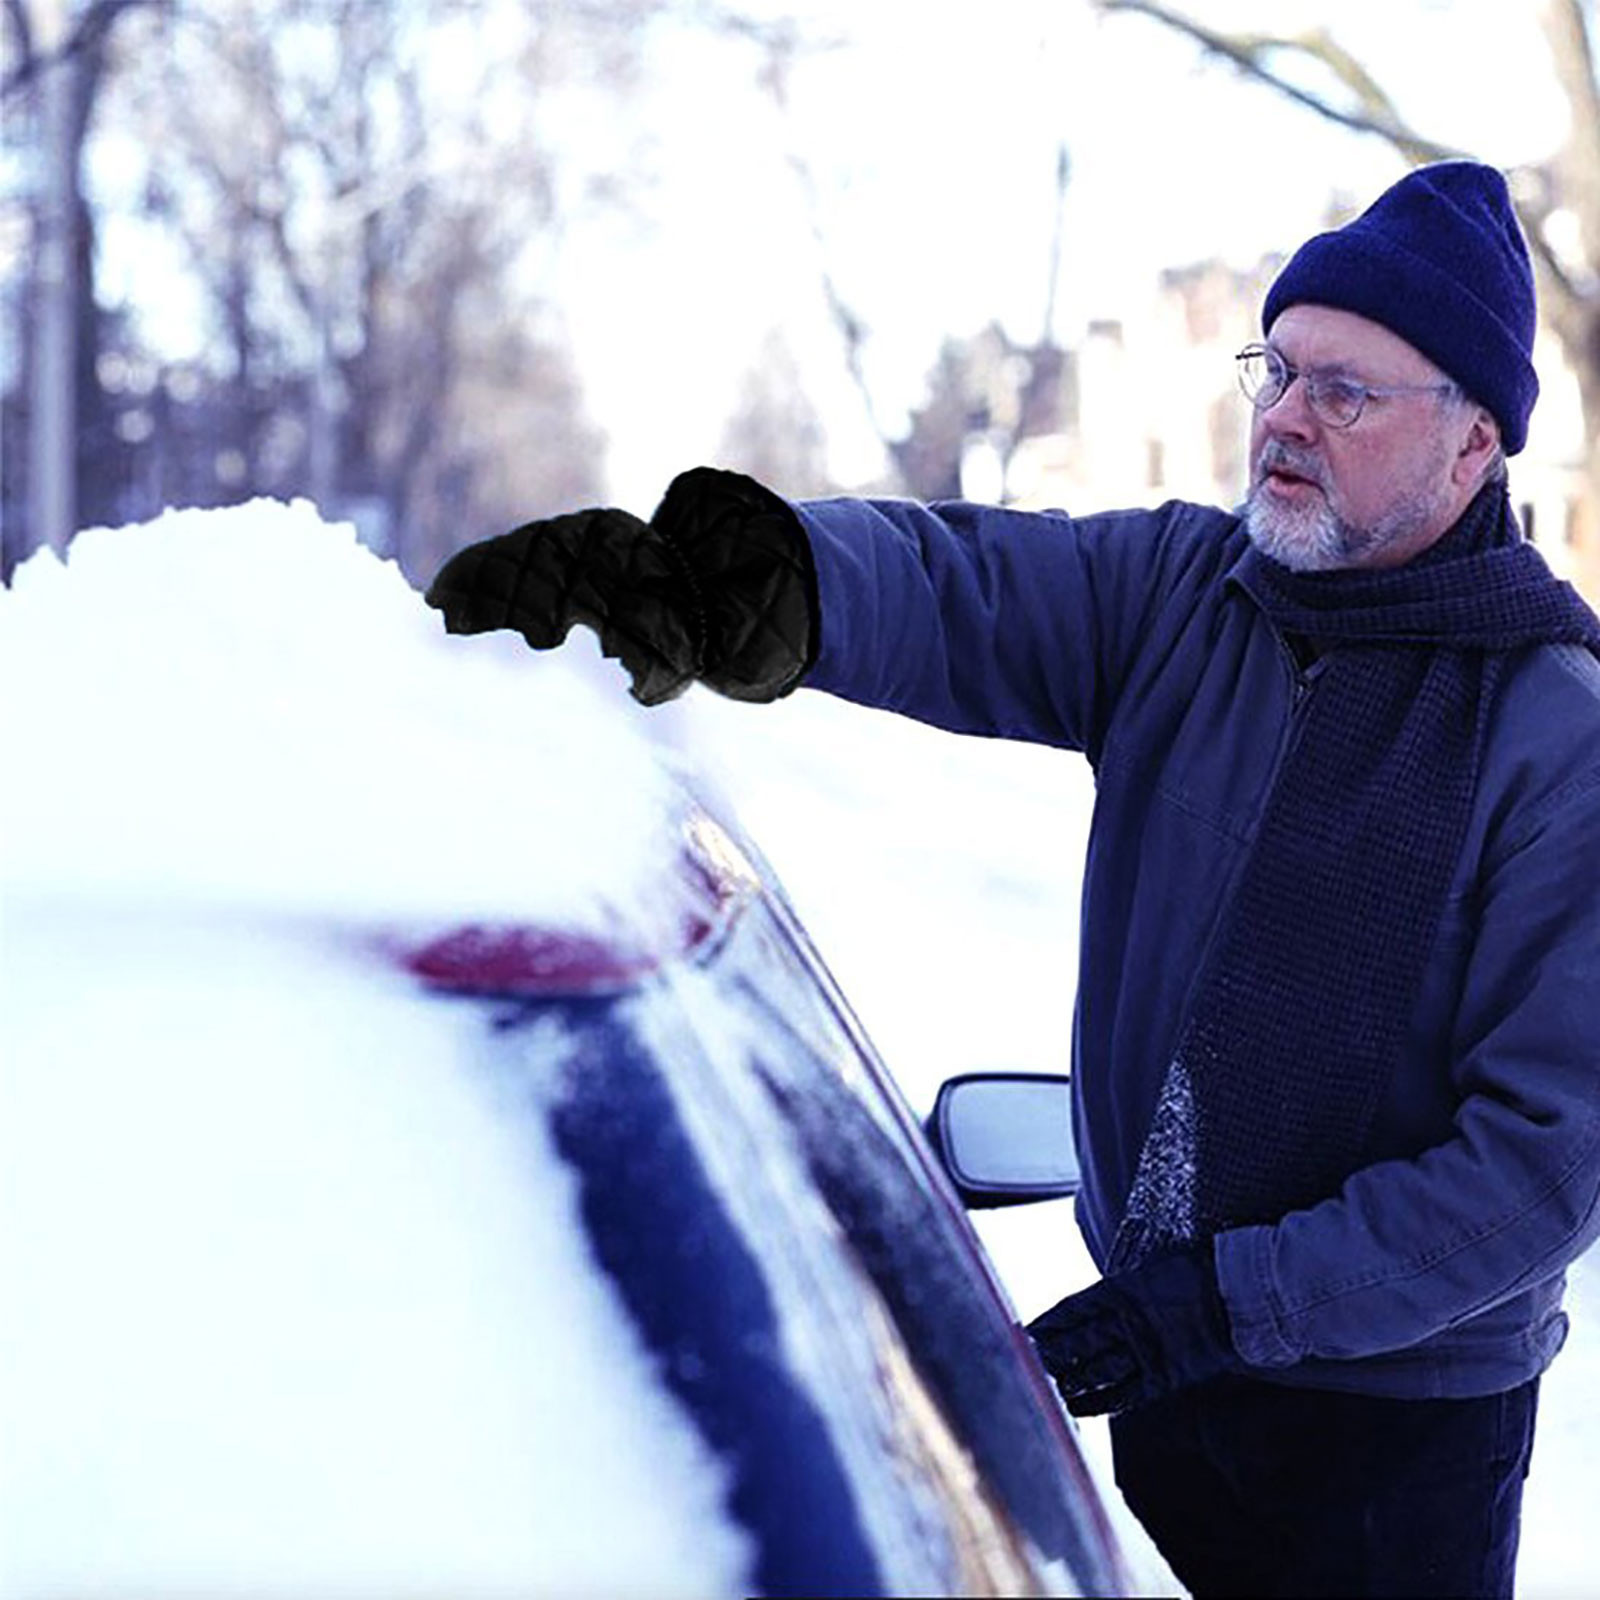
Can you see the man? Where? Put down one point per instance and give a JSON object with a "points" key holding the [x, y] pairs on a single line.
{"points": [[1337, 1042]]}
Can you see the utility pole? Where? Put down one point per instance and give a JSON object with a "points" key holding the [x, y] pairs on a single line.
{"points": [[52, 474]]}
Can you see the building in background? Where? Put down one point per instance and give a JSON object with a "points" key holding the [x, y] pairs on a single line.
{"points": [[1148, 409]]}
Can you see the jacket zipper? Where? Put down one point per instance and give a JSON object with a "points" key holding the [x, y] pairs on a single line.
{"points": [[1300, 678], [1301, 682]]}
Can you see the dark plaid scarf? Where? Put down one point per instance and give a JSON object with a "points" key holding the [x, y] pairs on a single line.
{"points": [[1299, 1017]]}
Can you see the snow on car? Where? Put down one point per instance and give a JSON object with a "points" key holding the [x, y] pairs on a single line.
{"points": [[434, 1158]]}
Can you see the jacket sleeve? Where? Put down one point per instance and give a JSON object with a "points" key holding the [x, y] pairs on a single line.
{"points": [[1013, 624], [1507, 1202]]}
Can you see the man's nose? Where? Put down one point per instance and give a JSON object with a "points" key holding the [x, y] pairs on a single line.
{"points": [[1291, 417]]}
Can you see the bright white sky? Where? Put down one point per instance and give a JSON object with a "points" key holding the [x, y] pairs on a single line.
{"points": [[933, 140], [932, 133]]}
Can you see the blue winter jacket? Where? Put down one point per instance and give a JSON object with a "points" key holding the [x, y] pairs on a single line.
{"points": [[1438, 1269]]}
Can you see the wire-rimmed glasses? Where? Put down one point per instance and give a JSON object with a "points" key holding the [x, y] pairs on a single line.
{"points": [[1337, 400]]}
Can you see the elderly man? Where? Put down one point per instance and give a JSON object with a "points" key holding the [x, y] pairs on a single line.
{"points": [[1337, 1041]]}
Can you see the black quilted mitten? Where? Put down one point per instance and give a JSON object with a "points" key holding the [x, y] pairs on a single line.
{"points": [[718, 586], [755, 582], [604, 568]]}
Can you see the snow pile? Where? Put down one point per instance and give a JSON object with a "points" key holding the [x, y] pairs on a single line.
{"points": [[293, 1305], [249, 707]]}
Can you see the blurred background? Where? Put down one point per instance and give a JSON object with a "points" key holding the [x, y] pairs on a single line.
{"points": [[441, 266]]}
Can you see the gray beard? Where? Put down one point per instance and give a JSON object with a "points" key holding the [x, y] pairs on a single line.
{"points": [[1311, 538]]}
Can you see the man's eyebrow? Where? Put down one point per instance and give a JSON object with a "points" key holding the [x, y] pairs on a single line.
{"points": [[1326, 369]]}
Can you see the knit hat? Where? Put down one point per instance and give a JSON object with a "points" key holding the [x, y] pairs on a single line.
{"points": [[1440, 260]]}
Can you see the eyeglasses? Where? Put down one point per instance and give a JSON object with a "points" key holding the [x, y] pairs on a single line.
{"points": [[1265, 377]]}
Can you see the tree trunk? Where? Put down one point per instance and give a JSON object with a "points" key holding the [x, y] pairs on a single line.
{"points": [[1572, 308], [52, 497]]}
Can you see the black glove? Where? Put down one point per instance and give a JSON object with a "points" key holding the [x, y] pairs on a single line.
{"points": [[1138, 1335], [718, 586]]}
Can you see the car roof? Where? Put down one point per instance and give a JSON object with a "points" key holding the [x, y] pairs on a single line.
{"points": [[248, 708]]}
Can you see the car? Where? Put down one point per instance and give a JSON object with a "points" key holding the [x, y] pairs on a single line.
{"points": [[439, 1160]]}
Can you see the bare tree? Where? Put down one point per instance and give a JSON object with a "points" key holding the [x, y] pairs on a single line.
{"points": [[775, 433], [986, 395], [1565, 187], [966, 404], [353, 219], [783, 50], [355, 188], [57, 58]]}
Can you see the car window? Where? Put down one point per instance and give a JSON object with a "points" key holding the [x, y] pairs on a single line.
{"points": [[774, 1221]]}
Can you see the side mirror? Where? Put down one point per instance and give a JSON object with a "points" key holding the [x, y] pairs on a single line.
{"points": [[1005, 1138]]}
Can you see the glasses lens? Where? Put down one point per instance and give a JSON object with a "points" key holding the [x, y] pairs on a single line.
{"points": [[1338, 401], [1260, 375]]}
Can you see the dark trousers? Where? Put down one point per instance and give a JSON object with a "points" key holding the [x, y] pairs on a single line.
{"points": [[1250, 1488]]}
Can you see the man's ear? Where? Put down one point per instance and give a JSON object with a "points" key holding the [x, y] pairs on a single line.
{"points": [[1478, 448]]}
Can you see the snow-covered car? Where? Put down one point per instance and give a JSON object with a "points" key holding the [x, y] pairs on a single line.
{"points": [[435, 1158]]}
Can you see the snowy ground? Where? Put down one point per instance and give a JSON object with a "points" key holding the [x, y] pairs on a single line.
{"points": [[938, 876]]}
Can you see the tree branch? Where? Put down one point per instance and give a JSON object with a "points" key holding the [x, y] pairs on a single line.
{"points": [[1572, 57], [853, 330], [1251, 53], [89, 33], [782, 49], [22, 32]]}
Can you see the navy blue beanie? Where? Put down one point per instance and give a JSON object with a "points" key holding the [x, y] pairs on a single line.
{"points": [[1440, 260]]}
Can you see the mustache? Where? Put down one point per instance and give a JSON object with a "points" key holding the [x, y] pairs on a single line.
{"points": [[1278, 456]]}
